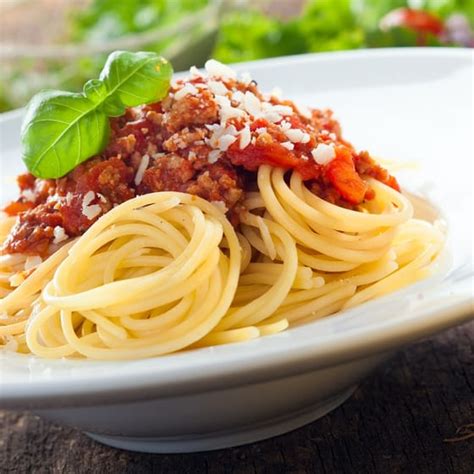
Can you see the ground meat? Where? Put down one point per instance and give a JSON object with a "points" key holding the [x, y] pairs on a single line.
{"points": [[169, 172], [365, 165], [219, 182], [175, 139], [190, 111], [33, 231]]}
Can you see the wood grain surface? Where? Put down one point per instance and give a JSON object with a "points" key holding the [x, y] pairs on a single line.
{"points": [[403, 419]]}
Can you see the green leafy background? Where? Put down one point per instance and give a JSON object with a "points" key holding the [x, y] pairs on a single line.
{"points": [[245, 34]]}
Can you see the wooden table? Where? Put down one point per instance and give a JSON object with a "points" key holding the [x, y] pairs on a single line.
{"points": [[402, 419]]}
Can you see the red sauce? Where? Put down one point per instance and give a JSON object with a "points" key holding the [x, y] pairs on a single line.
{"points": [[175, 136]]}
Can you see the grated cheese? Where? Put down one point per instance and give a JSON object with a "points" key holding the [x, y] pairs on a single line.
{"points": [[245, 137], [217, 87], [184, 91], [213, 156], [220, 205], [288, 145], [59, 235], [87, 210], [32, 262], [194, 72], [272, 116], [246, 78], [29, 195], [141, 169], [216, 69], [323, 154], [295, 135], [225, 141]]}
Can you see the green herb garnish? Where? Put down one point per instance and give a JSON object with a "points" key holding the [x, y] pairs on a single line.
{"points": [[63, 129]]}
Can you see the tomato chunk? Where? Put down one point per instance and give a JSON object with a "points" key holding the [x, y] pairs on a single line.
{"points": [[341, 173], [15, 208], [253, 156]]}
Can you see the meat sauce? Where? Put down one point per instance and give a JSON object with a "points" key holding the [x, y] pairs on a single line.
{"points": [[175, 138]]}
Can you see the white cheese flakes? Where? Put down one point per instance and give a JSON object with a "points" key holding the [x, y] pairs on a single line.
{"points": [[220, 205], [217, 87], [194, 72], [216, 69], [213, 156], [141, 169], [32, 262], [323, 154], [188, 89], [288, 145], [245, 137], [87, 210], [246, 78], [252, 104], [29, 195], [59, 235]]}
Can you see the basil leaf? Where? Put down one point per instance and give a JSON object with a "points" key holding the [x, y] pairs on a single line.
{"points": [[95, 90], [134, 78], [60, 131]]}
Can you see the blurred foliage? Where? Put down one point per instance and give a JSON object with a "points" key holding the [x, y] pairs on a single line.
{"points": [[244, 34], [108, 19], [100, 22], [325, 25]]}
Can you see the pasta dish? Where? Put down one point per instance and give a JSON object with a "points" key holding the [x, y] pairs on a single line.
{"points": [[216, 214]]}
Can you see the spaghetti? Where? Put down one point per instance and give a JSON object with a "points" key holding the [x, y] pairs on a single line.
{"points": [[224, 256]]}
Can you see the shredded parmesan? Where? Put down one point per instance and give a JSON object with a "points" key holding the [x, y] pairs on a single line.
{"points": [[288, 145], [194, 72], [217, 87], [252, 104], [141, 169], [245, 137], [220, 205], [213, 156], [296, 135], [246, 78], [29, 195], [226, 110], [304, 111], [225, 141], [323, 154], [87, 210], [32, 262], [238, 96], [184, 91], [59, 235], [272, 116], [216, 69]]}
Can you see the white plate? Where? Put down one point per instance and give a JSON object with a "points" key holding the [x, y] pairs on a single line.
{"points": [[406, 104]]}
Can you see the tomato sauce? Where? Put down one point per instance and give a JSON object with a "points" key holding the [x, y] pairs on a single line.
{"points": [[181, 144]]}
